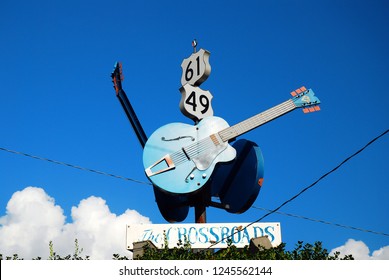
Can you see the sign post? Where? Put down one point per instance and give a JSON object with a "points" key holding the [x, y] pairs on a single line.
{"points": [[196, 104]]}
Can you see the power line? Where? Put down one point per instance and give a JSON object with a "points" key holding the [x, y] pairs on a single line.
{"points": [[321, 221], [269, 211], [307, 188], [74, 166]]}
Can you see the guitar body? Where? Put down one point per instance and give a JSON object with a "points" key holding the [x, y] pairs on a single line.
{"points": [[180, 158]]}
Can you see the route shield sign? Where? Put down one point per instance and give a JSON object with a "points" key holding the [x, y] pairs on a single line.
{"points": [[196, 68], [195, 103]]}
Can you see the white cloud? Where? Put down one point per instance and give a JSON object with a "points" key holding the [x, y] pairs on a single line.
{"points": [[360, 251], [32, 220]]}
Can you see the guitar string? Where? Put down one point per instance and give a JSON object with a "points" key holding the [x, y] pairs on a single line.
{"points": [[179, 157], [192, 151], [263, 117], [199, 147], [205, 145], [256, 120], [270, 114], [253, 121], [260, 118]]}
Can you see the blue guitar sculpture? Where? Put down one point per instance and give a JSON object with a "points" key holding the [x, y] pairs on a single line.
{"points": [[180, 158]]}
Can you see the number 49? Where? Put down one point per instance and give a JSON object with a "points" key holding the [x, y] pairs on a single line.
{"points": [[202, 99]]}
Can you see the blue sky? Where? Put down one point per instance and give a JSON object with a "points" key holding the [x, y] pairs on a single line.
{"points": [[58, 102]]}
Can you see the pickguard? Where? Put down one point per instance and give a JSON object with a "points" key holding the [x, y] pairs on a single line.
{"points": [[205, 160]]}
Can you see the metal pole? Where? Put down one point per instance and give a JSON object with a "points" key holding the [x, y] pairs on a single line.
{"points": [[200, 214], [201, 201]]}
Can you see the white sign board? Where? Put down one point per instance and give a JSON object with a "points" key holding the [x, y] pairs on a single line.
{"points": [[203, 235]]}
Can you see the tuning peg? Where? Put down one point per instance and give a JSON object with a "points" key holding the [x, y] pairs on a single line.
{"points": [[298, 91], [311, 109]]}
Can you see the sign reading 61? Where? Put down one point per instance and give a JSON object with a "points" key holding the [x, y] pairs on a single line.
{"points": [[196, 68]]}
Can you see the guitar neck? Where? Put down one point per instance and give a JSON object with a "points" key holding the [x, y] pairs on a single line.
{"points": [[257, 120]]}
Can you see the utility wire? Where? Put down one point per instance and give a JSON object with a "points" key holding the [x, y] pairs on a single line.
{"points": [[321, 221], [305, 189], [259, 208], [74, 166]]}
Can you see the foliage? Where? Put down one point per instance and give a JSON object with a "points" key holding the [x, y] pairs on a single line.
{"points": [[14, 257], [76, 255], [184, 251], [53, 255]]}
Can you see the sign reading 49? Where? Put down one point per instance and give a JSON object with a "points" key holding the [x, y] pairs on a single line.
{"points": [[195, 103]]}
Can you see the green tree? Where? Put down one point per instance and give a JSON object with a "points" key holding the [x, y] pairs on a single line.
{"points": [[183, 251]]}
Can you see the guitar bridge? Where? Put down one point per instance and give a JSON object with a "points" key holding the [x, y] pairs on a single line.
{"points": [[162, 165]]}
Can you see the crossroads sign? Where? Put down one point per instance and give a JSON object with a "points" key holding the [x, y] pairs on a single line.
{"points": [[202, 236]]}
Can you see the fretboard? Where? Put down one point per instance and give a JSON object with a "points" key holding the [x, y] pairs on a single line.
{"points": [[256, 121]]}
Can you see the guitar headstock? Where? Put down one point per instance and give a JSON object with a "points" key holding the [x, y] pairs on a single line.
{"points": [[117, 77], [306, 99]]}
